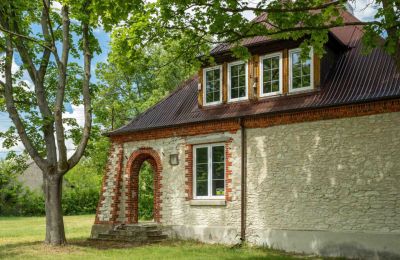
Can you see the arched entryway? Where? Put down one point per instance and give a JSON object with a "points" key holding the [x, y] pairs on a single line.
{"points": [[133, 166]]}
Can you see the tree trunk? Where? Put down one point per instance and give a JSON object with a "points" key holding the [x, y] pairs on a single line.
{"points": [[52, 185]]}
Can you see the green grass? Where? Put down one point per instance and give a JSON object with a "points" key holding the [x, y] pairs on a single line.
{"points": [[21, 238]]}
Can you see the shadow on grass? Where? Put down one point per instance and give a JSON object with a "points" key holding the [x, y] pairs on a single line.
{"points": [[103, 245], [12, 249]]}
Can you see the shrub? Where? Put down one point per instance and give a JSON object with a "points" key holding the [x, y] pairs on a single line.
{"points": [[146, 192]]}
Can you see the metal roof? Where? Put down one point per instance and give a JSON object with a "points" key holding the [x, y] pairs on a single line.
{"points": [[354, 78]]}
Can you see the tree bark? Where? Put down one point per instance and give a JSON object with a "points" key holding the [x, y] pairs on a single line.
{"points": [[52, 185]]}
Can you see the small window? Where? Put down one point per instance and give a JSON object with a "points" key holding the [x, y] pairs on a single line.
{"points": [[237, 81], [209, 171], [271, 74], [212, 78], [301, 71]]}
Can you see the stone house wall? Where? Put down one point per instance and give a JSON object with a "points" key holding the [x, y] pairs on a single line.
{"points": [[312, 187]]}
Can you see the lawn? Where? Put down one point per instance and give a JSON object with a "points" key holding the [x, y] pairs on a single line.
{"points": [[21, 238]]}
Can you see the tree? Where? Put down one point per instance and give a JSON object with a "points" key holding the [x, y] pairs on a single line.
{"points": [[128, 88], [205, 22], [43, 38]]}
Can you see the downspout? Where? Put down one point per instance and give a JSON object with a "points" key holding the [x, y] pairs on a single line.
{"points": [[243, 181]]}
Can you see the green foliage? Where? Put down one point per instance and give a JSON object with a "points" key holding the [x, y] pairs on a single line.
{"points": [[81, 187], [128, 88], [146, 192], [82, 184], [10, 188]]}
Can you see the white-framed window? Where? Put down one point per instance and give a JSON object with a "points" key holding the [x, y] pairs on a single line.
{"points": [[237, 81], [271, 74], [212, 89], [209, 171], [300, 71]]}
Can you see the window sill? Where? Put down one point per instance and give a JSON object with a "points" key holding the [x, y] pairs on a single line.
{"points": [[201, 202]]}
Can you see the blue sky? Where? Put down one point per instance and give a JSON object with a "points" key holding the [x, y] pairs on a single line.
{"points": [[365, 14], [75, 112]]}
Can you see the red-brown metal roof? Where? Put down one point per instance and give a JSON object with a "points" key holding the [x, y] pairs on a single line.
{"points": [[353, 79]]}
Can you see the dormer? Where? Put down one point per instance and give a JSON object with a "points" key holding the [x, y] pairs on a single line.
{"points": [[273, 70]]}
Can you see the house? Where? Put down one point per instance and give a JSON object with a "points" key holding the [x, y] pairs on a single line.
{"points": [[299, 155]]}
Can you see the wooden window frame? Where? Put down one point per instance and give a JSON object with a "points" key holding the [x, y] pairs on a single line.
{"points": [[311, 87], [205, 70], [246, 97], [209, 180], [261, 73]]}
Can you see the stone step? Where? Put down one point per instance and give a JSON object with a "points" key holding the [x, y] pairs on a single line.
{"points": [[107, 236], [138, 227], [157, 237], [154, 232]]}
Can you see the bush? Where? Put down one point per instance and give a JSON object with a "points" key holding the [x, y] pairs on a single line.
{"points": [[81, 189], [146, 192]]}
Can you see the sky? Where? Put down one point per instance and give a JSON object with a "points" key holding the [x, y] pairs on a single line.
{"points": [[362, 13]]}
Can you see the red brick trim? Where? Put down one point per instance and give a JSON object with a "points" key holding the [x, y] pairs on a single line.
{"points": [[364, 109], [107, 171], [188, 130], [133, 165], [232, 125], [228, 170], [189, 171]]}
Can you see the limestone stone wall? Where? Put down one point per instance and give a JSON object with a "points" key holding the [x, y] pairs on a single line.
{"points": [[190, 221], [339, 175]]}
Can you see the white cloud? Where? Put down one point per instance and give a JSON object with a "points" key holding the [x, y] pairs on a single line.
{"points": [[364, 10], [79, 114]]}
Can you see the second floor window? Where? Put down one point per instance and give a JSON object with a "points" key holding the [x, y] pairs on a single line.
{"points": [[300, 71], [271, 74], [237, 81], [213, 84]]}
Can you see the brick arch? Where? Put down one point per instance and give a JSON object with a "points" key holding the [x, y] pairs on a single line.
{"points": [[133, 165]]}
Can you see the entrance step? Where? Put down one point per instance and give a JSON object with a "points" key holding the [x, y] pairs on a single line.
{"points": [[137, 233]]}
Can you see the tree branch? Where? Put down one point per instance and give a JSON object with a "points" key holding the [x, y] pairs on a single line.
{"points": [[10, 104], [62, 80], [25, 37], [86, 99], [48, 127], [272, 10]]}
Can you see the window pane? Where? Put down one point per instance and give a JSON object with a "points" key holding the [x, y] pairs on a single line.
{"points": [[212, 85], [201, 155], [275, 75], [202, 172], [242, 92], [216, 96], [238, 81], [218, 171], [306, 81], [201, 188], [218, 188], [218, 154], [275, 62], [274, 86], [267, 87], [301, 71], [295, 58], [271, 74], [296, 70], [296, 82]]}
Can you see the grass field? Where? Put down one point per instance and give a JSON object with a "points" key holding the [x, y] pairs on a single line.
{"points": [[21, 238]]}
